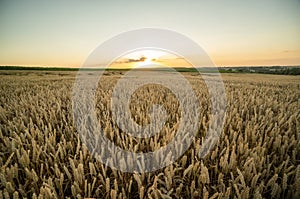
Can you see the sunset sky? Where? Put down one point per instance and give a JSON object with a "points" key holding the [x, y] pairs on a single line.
{"points": [[233, 33]]}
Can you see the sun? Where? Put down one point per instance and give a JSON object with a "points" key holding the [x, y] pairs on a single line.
{"points": [[146, 62], [145, 58]]}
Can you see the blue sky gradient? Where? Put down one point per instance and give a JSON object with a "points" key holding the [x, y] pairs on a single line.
{"points": [[233, 33]]}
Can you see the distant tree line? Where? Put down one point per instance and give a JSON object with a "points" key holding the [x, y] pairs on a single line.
{"points": [[278, 70]]}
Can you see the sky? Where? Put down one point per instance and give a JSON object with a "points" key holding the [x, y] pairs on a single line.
{"points": [[233, 32]]}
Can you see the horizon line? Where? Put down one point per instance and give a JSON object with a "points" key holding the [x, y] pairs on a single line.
{"points": [[127, 68]]}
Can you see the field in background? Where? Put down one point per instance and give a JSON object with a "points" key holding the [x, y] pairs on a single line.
{"points": [[278, 70], [257, 156]]}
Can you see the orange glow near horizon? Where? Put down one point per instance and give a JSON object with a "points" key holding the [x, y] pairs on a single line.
{"points": [[156, 57], [281, 59], [142, 59], [148, 59]]}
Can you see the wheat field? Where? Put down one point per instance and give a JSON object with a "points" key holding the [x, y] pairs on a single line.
{"points": [[42, 156]]}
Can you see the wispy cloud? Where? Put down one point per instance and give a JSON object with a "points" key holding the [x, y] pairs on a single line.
{"points": [[126, 61], [291, 51]]}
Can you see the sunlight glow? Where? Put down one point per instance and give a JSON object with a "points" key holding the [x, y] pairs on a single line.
{"points": [[146, 59]]}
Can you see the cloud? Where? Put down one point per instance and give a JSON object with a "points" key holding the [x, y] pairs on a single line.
{"points": [[126, 61], [291, 51]]}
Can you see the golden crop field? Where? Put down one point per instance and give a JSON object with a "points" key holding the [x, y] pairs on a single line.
{"points": [[42, 155]]}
